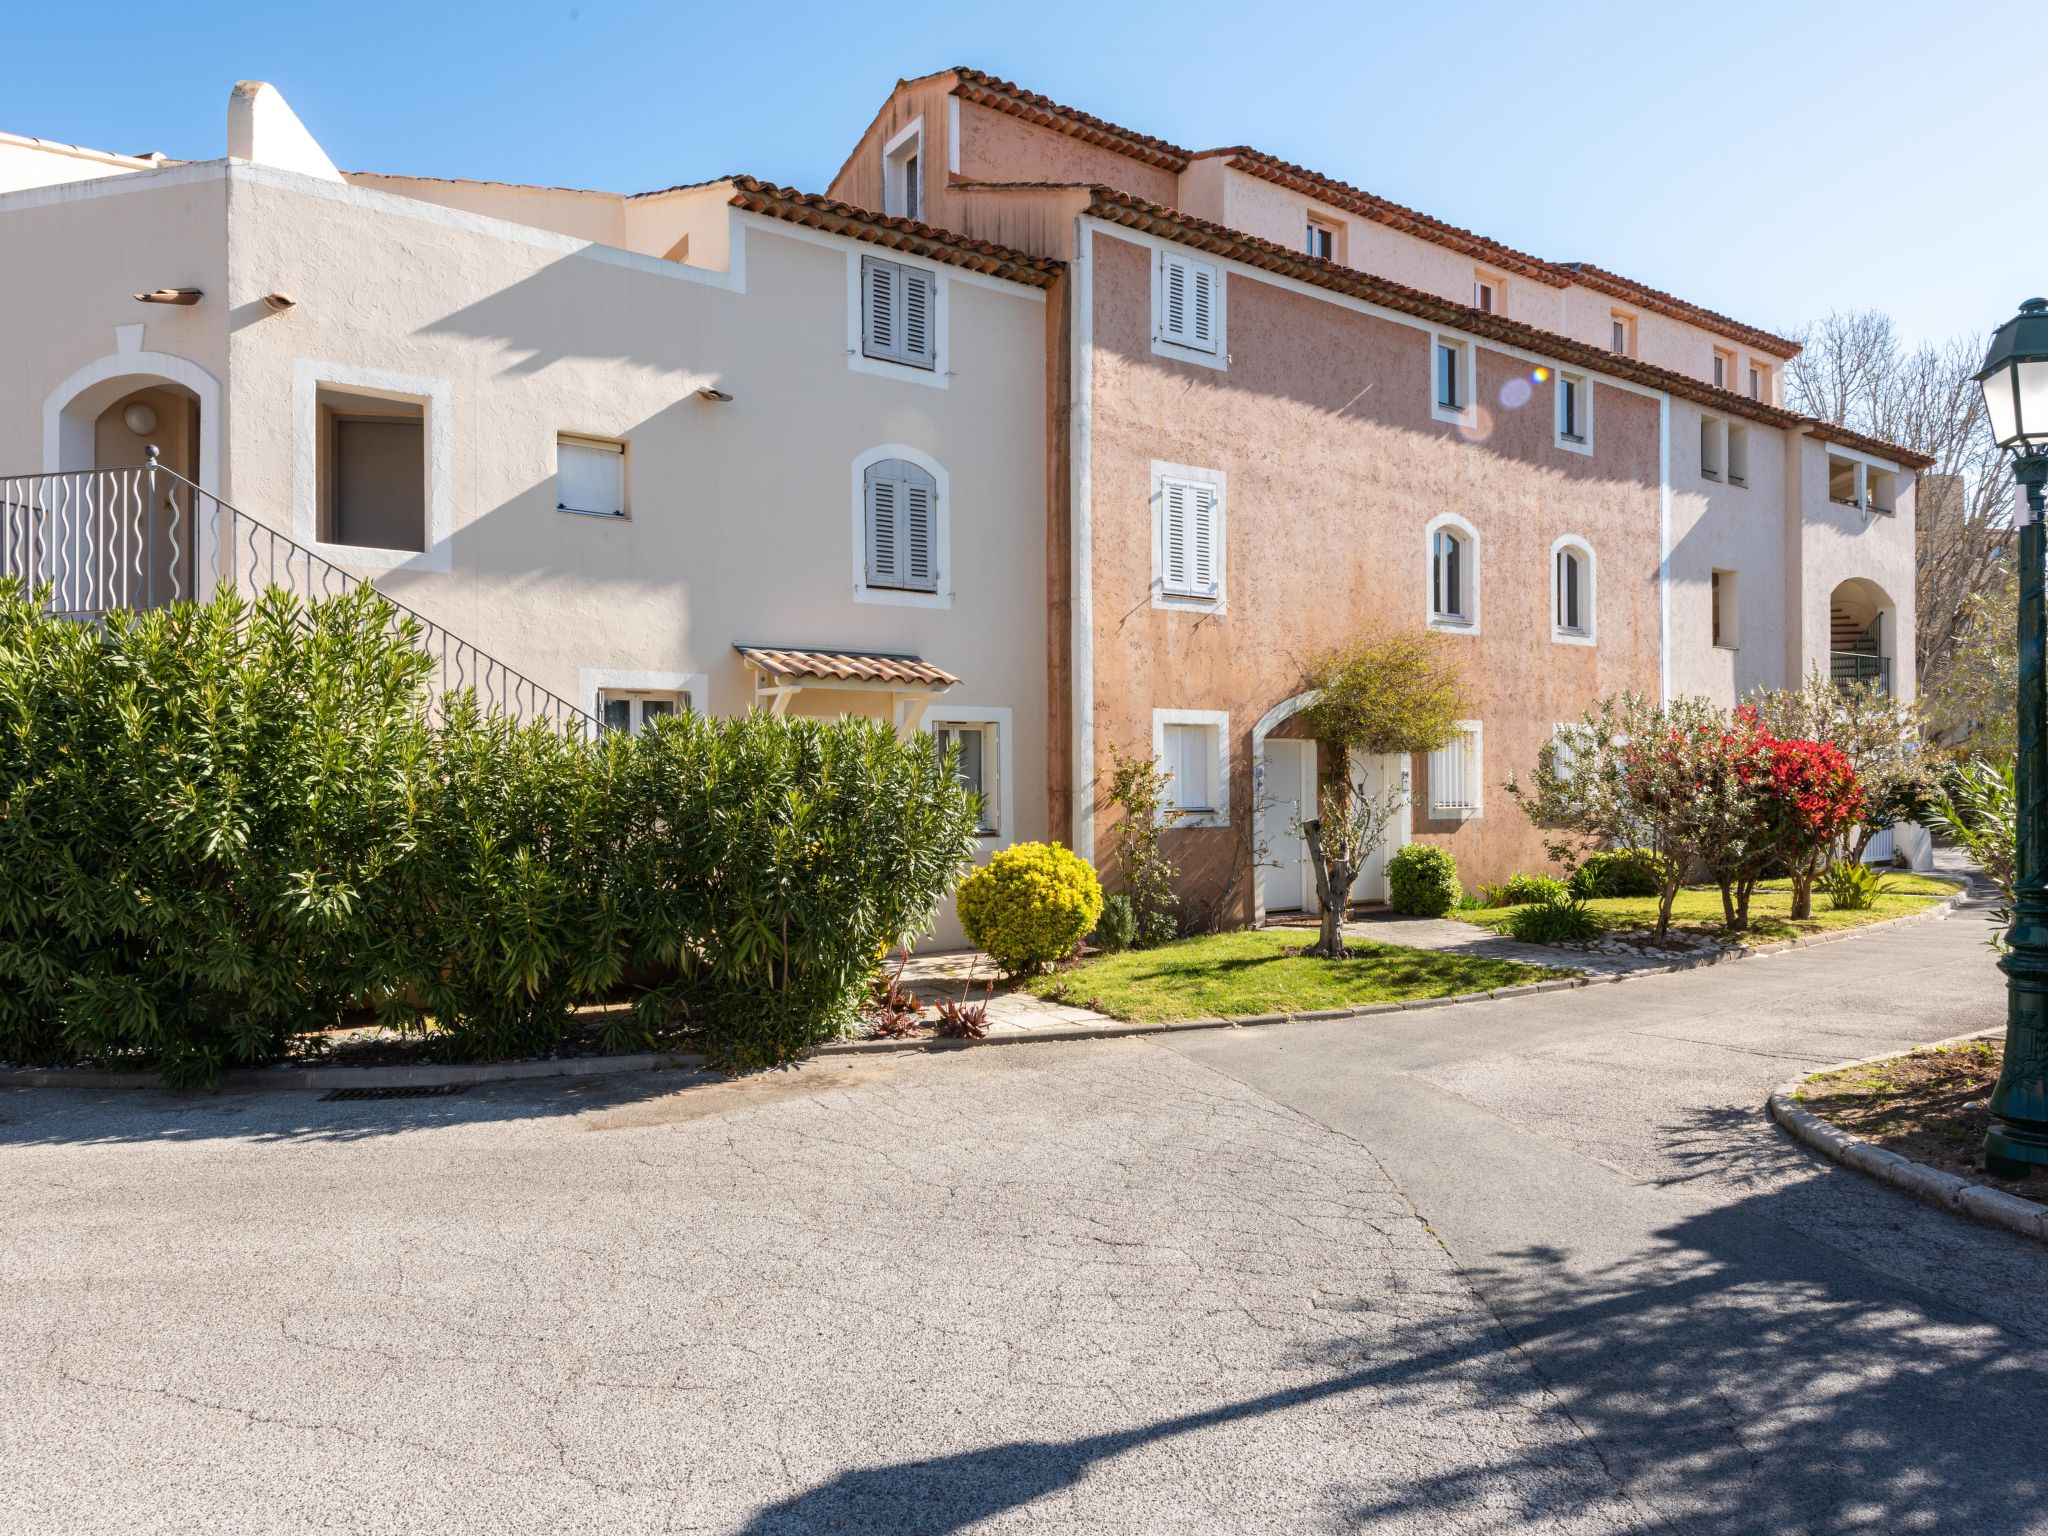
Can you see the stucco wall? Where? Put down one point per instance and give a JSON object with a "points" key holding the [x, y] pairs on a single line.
{"points": [[1335, 467]]}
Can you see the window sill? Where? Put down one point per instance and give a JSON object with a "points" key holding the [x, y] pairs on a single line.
{"points": [[1456, 625], [1571, 437], [1711, 474], [1739, 481], [1571, 636], [897, 362], [610, 517], [1731, 649]]}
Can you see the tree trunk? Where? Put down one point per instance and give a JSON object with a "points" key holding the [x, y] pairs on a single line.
{"points": [[1744, 889], [1802, 893], [1665, 898], [1727, 885], [1334, 878]]}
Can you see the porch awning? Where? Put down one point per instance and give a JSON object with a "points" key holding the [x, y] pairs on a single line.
{"points": [[784, 668]]}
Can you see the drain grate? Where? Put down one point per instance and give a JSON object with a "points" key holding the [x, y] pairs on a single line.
{"points": [[436, 1091]]}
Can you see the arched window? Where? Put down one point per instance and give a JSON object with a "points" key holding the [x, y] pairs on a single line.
{"points": [[1453, 574], [900, 503], [1571, 591]]}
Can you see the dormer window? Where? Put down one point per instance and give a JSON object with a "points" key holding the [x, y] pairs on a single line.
{"points": [[1323, 241], [903, 174]]}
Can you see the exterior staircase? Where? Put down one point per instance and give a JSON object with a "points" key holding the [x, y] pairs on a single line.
{"points": [[102, 540]]}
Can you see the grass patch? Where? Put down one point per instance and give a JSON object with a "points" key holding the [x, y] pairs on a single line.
{"points": [[1222, 975], [1698, 910], [1927, 1105]]}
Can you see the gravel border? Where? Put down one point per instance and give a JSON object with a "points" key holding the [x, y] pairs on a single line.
{"points": [[1979, 1201], [427, 1075]]}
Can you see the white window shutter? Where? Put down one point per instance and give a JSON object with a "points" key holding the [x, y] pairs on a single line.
{"points": [[1202, 306], [1173, 520], [1202, 539], [590, 477], [916, 312], [1456, 772], [1173, 305], [1187, 301]]}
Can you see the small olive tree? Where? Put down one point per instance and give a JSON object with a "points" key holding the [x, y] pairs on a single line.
{"points": [[1402, 693], [1633, 773]]}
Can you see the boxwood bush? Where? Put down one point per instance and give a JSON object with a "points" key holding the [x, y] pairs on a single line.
{"points": [[1422, 881], [226, 825], [1619, 872], [1030, 905]]}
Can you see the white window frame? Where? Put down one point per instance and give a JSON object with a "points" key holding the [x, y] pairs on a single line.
{"points": [[1218, 721], [938, 376], [1466, 413], [1583, 387], [1761, 373], [1475, 782], [1589, 592], [1469, 623], [1631, 333], [597, 440], [1188, 474], [434, 397], [896, 191], [1723, 355], [996, 763], [1218, 356], [1483, 279], [941, 596], [593, 683], [1866, 464], [1320, 223]]}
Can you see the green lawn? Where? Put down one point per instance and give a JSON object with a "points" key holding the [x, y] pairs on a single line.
{"points": [[1225, 975], [1698, 910]]}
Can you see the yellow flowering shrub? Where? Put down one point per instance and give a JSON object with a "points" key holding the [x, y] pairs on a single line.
{"points": [[1030, 905]]}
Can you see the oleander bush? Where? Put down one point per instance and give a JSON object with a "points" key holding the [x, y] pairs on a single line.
{"points": [[1619, 872], [229, 825], [1422, 881], [1030, 905], [1520, 890]]}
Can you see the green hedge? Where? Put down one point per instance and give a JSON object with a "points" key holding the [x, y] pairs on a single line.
{"points": [[224, 826], [1422, 881]]}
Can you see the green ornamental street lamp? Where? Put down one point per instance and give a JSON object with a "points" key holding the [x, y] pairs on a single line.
{"points": [[2015, 381]]}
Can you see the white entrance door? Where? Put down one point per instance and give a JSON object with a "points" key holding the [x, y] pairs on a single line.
{"points": [[1290, 794], [1378, 775]]}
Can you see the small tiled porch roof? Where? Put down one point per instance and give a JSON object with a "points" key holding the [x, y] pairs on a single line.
{"points": [[846, 667]]}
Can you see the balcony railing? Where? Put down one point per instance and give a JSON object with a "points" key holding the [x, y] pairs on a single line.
{"points": [[99, 541], [1860, 667]]}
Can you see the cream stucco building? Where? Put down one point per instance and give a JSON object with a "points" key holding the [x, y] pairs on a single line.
{"points": [[1035, 430]]}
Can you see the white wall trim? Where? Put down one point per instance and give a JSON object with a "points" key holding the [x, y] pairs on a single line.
{"points": [[1585, 383], [942, 595], [1473, 555], [1467, 414], [71, 410], [1219, 480], [1663, 549], [946, 712], [953, 135], [1219, 721], [591, 681], [1080, 529], [1857, 455], [437, 397], [1590, 597], [1476, 730], [1218, 359], [913, 130], [939, 375]]}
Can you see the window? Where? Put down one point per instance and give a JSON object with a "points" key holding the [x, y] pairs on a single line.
{"points": [[1453, 574], [1738, 454], [903, 174], [1713, 451], [1724, 368], [1882, 490], [1489, 293], [1188, 302], [1187, 765], [896, 313], [620, 710], [1456, 775], [1325, 239], [590, 476], [900, 502], [975, 766], [1449, 377], [1623, 333], [1727, 615], [1845, 477], [1452, 383], [1574, 412], [1571, 591], [373, 471], [1759, 382], [1188, 533], [1191, 746]]}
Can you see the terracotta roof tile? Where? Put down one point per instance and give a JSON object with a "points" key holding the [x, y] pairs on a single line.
{"points": [[1612, 283], [1007, 96], [1119, 207], [847, 666], [896, 234]]}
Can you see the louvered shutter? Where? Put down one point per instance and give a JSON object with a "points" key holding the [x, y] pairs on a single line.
{"points": [[885, 526], [920, 530], [880, 323], [1173, 308], [1202, 540], [1190, 539], [917, 289], [1202, 305], [1173, 526], [1187, 301], [1455, 773]]}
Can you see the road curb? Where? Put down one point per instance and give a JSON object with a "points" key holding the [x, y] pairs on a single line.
{"points": [[424, 1075], [1963, 1197]]}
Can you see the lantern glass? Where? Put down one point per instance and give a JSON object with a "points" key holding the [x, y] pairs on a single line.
{"points": [[2031, 375], [2002, 405]]}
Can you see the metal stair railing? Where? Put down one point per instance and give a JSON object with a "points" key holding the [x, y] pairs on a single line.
{"points": [[103, 540]]}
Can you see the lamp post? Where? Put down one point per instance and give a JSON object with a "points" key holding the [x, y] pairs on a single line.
{"points": [[2015, 382]]}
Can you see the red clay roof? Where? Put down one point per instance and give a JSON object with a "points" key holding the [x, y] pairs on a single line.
{"points": [[894, 234], [1118, 207], [847, 666], [1006, 96]]}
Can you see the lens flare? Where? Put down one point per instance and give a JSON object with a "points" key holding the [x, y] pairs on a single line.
{"points": [[1540, 376], [1515, 394]]}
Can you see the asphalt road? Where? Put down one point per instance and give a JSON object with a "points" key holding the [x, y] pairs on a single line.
{"points": [[1533, 1266]]}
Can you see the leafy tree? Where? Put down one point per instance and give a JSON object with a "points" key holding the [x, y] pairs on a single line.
{"points": [[1970, 704]]}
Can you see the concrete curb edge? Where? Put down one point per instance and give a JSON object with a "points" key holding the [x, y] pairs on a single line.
{"points": [[1980, 1202]]}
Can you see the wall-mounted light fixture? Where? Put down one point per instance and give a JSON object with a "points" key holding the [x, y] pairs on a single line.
{"points": [[279, 302], [170, 296], [139, 417], [719, 396]]}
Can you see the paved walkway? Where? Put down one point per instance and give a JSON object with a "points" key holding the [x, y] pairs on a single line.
{"points": [[1541, 1266]]}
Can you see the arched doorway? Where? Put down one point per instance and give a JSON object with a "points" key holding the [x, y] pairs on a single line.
{"points": [[1862, 628], [1287, 766]]}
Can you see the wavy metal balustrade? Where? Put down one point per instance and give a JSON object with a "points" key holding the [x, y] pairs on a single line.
{"points": [[103, 540]]}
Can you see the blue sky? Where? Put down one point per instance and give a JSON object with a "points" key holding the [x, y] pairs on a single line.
{"points": [[1772, 161]]}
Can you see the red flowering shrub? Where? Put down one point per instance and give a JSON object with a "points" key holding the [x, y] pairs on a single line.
{"points": [[1807, 795]]}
